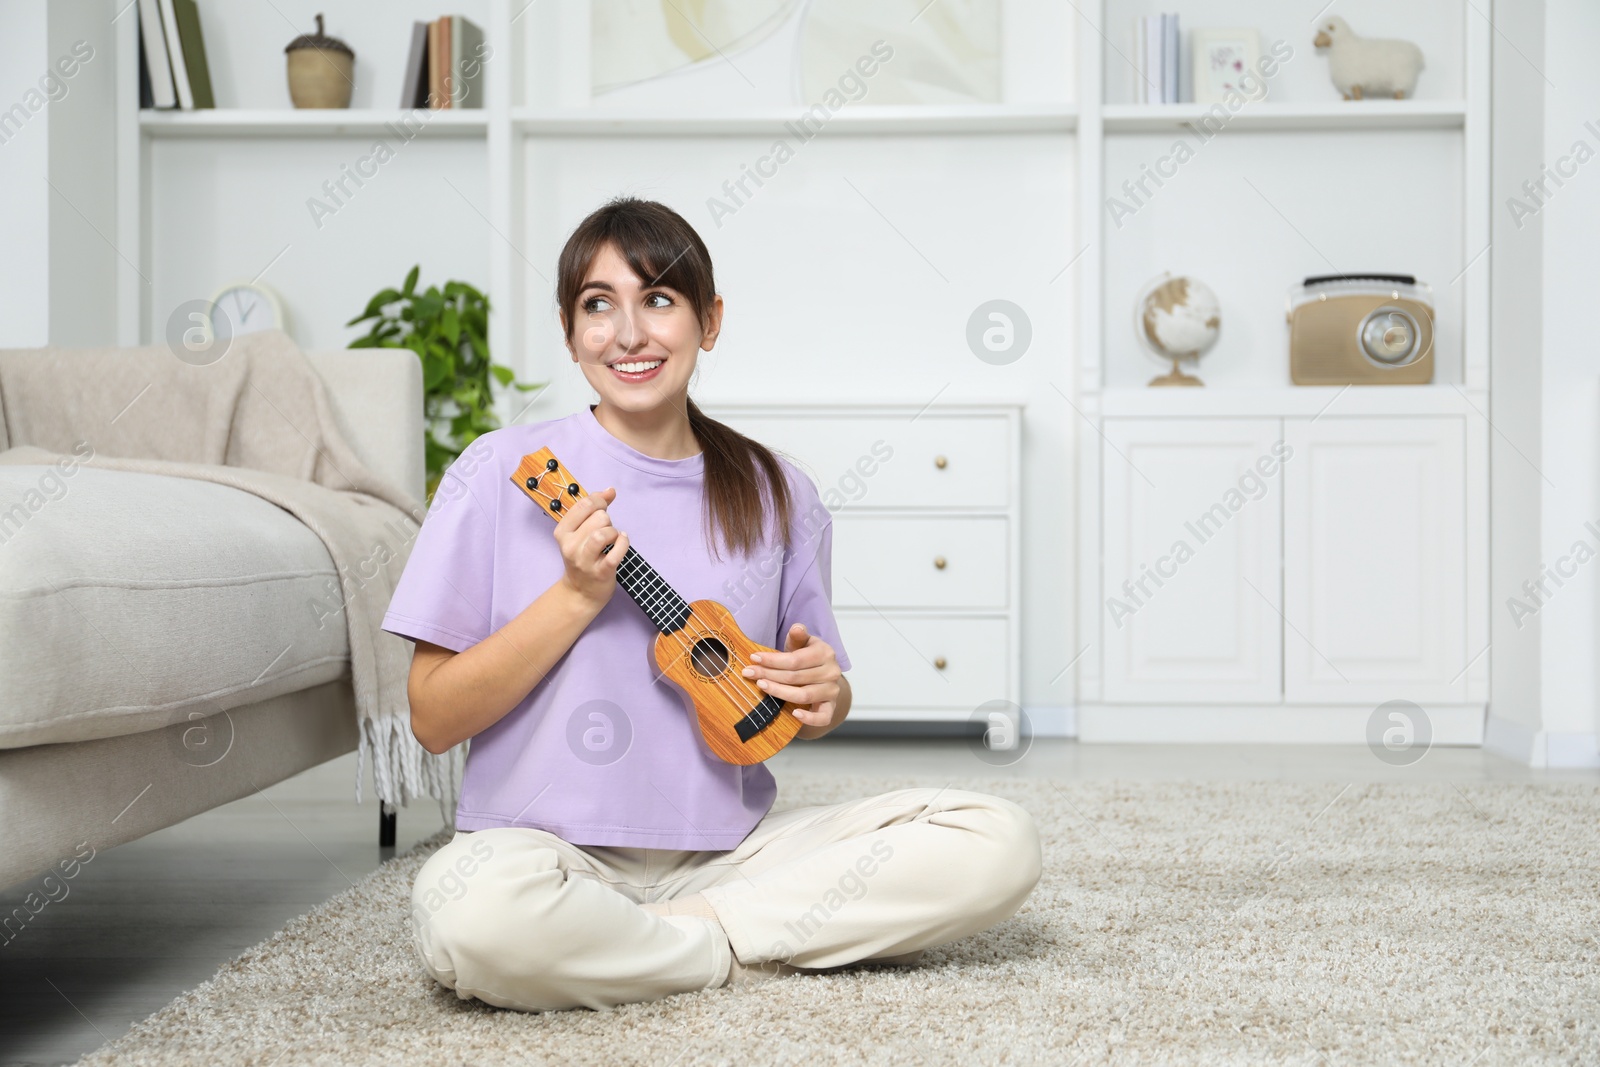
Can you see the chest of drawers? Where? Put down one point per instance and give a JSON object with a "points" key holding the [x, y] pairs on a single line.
{"points": [[925, 545]]}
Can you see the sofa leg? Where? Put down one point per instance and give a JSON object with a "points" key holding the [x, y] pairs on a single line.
{"points": [[387, 817]]}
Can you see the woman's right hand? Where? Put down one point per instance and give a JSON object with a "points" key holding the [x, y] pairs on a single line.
{"points": [[583, 534]]}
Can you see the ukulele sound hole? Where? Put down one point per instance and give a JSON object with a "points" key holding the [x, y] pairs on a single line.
{"points": [[709, 656]]}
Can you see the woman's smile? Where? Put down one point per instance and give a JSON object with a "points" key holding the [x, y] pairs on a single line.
{"points": [[637, 370]]}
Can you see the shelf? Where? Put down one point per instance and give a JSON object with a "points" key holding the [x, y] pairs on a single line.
{"points": [[1292, 401], [976, 118], [1326, 115], [288, 122]]}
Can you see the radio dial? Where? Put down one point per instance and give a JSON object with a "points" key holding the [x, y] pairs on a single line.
{"points": [[1389, 336]]}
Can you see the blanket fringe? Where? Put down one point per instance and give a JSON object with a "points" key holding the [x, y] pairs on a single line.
{"points": [[403, 769]]}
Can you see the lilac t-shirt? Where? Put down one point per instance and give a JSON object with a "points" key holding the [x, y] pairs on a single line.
{"points": [[601, 752]]}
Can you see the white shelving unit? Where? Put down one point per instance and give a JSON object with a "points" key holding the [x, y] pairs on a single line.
{"points": [[894, 215], [1303, 183]]}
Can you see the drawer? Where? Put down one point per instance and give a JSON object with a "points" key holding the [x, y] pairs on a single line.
{"points": [[891, 460], [914, 562], [893, 660]]}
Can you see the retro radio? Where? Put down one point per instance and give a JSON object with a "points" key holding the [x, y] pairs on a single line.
{"points": [[1361, 329]]}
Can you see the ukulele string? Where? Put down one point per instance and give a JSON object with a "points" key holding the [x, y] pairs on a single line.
{"points": [[677, 636]]}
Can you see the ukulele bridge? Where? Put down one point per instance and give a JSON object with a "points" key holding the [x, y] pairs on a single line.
{"points": [[763, 716]]}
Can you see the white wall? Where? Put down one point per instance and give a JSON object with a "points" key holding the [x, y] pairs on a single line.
{"points": [[1545, 695], [24, 163], [224, 211], [1571, 377], [83, 186], [58, 172]]}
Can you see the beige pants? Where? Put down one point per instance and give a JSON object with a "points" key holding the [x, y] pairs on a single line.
{"points": [[520, 918]]}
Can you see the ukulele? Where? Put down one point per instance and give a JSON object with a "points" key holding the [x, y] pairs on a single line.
{"points": [[700, 646]]}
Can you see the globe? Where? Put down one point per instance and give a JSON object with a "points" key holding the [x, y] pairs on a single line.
{"points": [[1176, 319]]}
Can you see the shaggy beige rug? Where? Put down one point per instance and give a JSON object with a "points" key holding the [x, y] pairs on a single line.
{"points": [[1175, 923]]}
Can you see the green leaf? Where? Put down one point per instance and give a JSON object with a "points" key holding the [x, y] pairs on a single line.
{"points": [[528, 387], [450, 325], [503, 375], [434, 371], [411, 281], [428, 306], [380, 299]]}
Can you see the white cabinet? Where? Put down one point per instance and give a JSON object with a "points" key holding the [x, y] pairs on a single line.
{"points": [[925, 504], [1191, 548], [1310, 563], [1374, 560]]}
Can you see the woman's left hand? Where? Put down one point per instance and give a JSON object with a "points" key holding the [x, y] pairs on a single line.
{"points": [[807, 674]]}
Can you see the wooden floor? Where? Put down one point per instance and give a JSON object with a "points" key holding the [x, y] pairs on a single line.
{"points": [[146, 921]]}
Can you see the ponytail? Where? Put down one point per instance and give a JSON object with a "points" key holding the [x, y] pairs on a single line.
{"points": [[734, 505]]}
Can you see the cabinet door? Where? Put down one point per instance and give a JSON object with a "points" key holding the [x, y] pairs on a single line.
{"points": [[1375, 560], [1190, 566]]}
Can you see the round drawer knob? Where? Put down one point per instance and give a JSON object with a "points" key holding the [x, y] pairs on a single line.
{"points": [[938, 561], [939, 662], [940, 462]]}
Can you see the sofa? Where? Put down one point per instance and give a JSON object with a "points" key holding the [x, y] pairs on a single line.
{"points": [[222, 679]]}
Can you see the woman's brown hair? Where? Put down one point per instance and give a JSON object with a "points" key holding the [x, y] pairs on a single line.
{"points": [[662, 248]]}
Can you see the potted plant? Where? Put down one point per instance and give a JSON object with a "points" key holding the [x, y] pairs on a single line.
{"points": [[448, 329]]}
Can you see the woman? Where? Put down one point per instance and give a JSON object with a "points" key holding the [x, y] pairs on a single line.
{"points": [[603, 854]]}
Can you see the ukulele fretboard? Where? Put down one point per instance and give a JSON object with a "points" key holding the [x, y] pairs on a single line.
{"points": [[668, 610]]}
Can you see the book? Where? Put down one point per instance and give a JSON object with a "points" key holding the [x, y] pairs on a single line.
{"points": [[466, 66], [414, 88], [180, 72], [1139, 94], [446, 76], [1169, 60], [439, 63], [153, 43], [1152, 58], [194, 52], [146, 99], [1161, 59]]}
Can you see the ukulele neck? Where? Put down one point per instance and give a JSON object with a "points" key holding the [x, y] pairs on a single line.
{"points": [[661, 602]]}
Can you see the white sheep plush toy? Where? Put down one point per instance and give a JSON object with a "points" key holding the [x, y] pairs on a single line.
{"points": [[1368, 66]]}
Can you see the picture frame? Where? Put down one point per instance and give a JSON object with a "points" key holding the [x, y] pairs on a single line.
{"points": [[1222, 58]]}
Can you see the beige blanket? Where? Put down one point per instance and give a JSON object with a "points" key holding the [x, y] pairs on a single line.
{"points": [[257, 419]]}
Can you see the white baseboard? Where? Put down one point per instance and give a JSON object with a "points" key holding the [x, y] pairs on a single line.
{"points": [[1542, 748], [1340, 724], [1510, 739], [1052, 720], [1572, 750]]}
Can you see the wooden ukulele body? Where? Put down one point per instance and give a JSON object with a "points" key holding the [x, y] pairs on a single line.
{"points": [[704, 660], [699, 646]]}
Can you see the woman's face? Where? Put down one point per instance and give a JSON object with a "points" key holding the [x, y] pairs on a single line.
{"points": [[637, 343]]}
